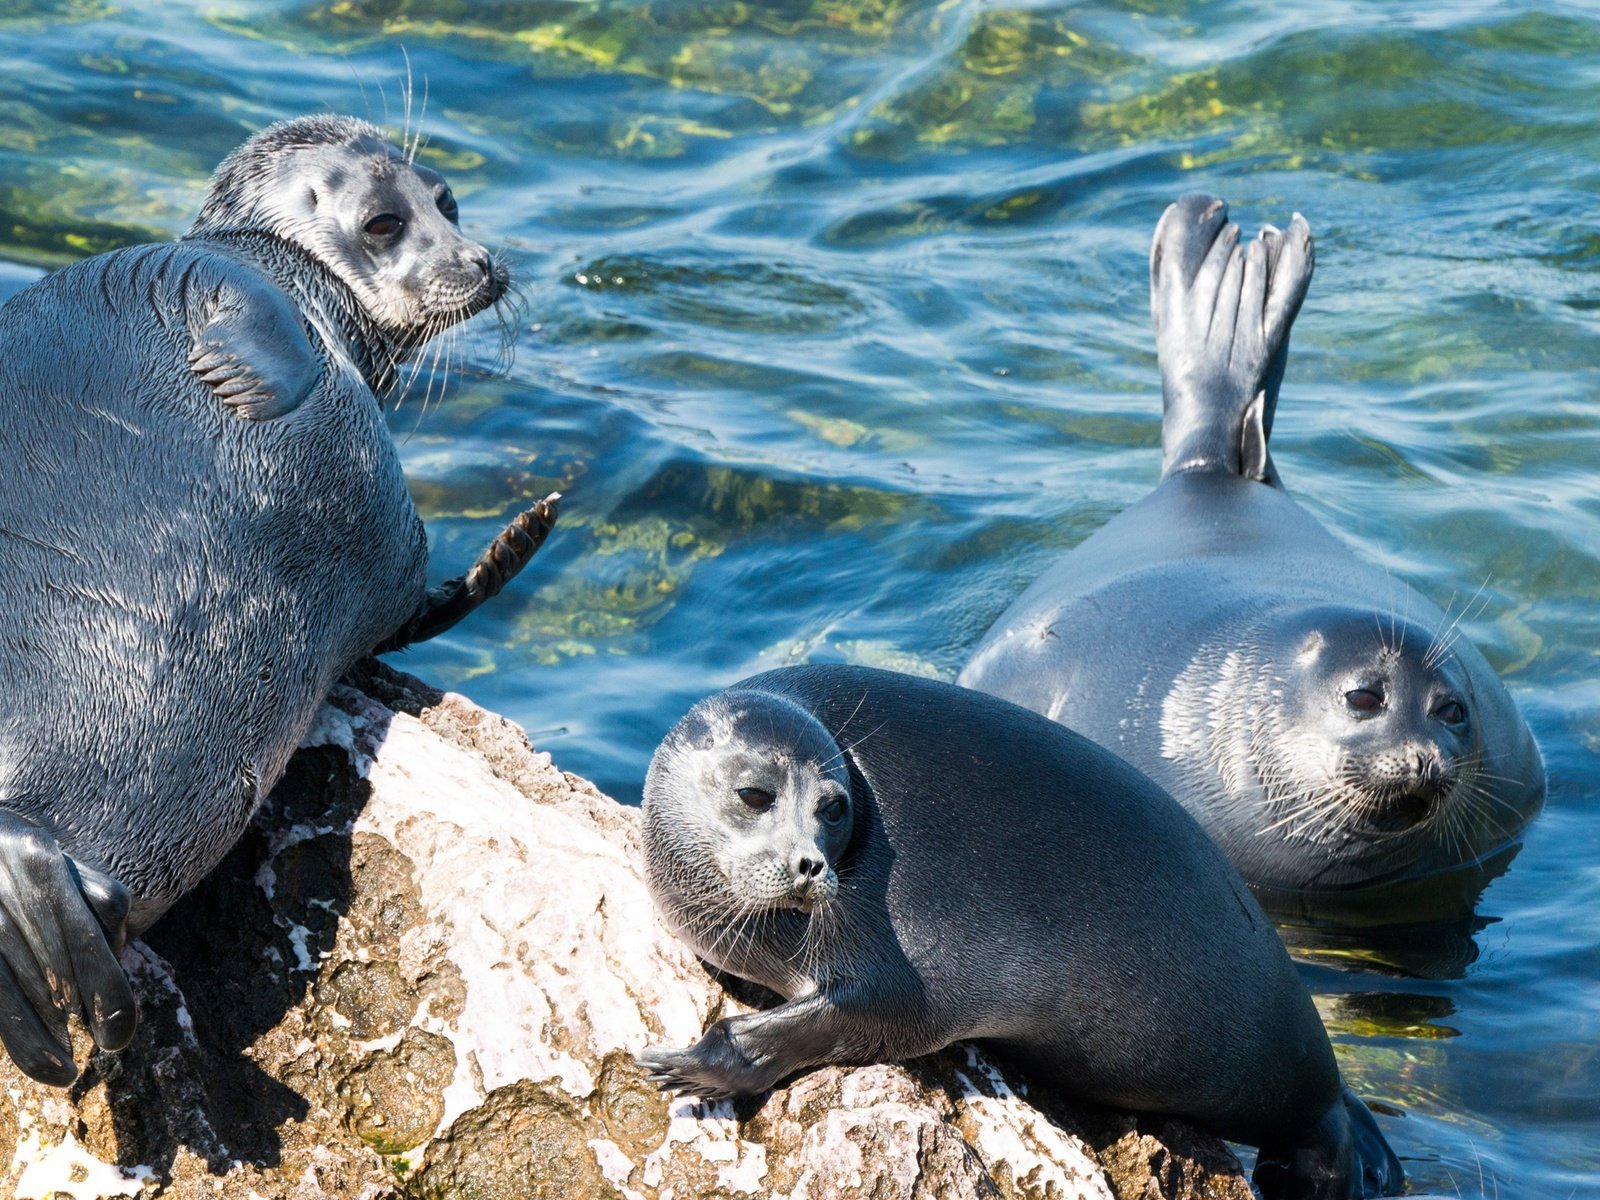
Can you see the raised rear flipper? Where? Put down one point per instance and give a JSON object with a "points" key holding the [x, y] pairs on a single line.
{"points": [[497, 566], [250, 346], [61, 926], [1222, 316]]}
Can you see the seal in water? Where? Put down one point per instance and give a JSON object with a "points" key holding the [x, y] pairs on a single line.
{"points": [[911, 863], [203, 524], [1325, 723]]}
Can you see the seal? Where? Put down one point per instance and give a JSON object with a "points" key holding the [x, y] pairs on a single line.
{"points": [[1325, 723], [909, 863], [203, 524]]}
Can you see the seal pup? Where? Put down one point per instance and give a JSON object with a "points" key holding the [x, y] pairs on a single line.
{"points": [[909, 863], [203, 524], [1326, 724]]}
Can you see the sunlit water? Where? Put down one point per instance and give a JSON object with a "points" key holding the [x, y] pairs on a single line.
{"points": [[836, 333]]}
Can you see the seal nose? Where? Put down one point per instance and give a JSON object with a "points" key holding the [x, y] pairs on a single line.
{"points": [[808, 866], [1432, 780]]}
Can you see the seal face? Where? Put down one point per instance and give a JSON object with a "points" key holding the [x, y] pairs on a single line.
{"points": [[220, 397], [985, 874], [384, 225], [1325, 723]]}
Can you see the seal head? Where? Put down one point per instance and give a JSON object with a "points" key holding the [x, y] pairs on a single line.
{"points": [[757, 819], [1334, 745], [386, 226]]}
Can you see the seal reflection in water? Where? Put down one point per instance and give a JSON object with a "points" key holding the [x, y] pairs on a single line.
{"points": [[203, 524], [1326, 724], [910, 863]]}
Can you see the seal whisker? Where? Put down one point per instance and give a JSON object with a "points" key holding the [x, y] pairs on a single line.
{"points": [[361, 87], [1445, 641], [839, 733], [420, 139], [1438, 631], [406, 90]]}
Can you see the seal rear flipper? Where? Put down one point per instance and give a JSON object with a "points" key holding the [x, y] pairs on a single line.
{"points": [[61, 924], [497, 566], [1254, 460], [1348, 1159], [1222, 318], [250, 348]]}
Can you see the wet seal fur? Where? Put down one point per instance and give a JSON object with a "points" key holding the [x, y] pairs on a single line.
{"points": [[203, 524], [1326, 724], [909, 863]]}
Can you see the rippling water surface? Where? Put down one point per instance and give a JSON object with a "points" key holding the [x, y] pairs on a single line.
{"points": [[836, 333]]}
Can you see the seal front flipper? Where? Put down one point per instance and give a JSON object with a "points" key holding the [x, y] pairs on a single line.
{"points": [[1344, 1157], [61, 924], [250, 348], [1222, 316], [497, 566], [754, 1052]]}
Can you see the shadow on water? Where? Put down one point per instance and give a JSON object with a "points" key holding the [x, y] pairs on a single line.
{"points": [[1419, 928]]}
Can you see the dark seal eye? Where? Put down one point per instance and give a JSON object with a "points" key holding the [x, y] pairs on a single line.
{"points": [[1451, 712], [446, 200], [757, 798], [385, 225], [833, 811], [1364, 700]]}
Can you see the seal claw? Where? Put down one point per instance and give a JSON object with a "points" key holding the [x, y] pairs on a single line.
{"points": [[714, 1068]]}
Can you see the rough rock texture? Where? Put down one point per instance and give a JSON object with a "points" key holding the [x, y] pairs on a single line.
{"points": [[424, 973]]}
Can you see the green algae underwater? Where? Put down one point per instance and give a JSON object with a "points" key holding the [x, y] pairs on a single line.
{"points": [[834, 332]]}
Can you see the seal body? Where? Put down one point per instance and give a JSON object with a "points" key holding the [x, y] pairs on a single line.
{"points": [[911, 863], [182, 585], [203, 524], [1323, 721]]}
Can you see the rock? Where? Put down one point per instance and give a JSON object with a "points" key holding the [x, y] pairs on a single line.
{"points": [[424, 973]]}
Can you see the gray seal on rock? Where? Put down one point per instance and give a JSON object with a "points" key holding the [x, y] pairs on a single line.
{"points": [[203, 524], [909, 863], [1325, 723]]}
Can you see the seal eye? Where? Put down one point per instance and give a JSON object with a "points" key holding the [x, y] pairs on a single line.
{"points": [[757, 798], [833, 811], [1364, 700], [1451, 712], [385, 225], [446, 200]]}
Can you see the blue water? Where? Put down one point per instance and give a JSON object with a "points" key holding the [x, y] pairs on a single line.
{"points": [[835, 333]]}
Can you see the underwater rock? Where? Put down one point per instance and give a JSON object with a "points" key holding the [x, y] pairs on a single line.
{"points": [[424, 973]]}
